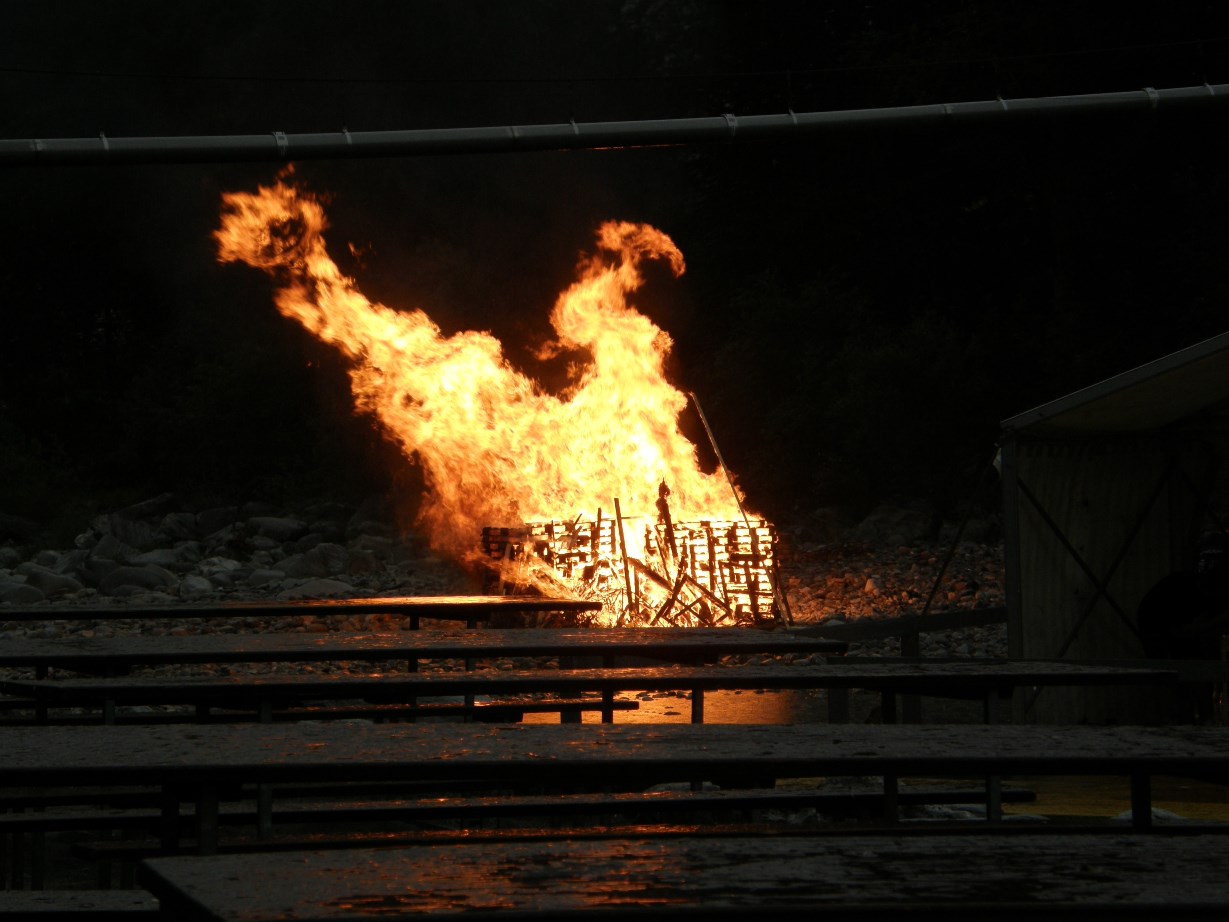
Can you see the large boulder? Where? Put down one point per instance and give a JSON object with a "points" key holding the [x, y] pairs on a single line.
{"points": [[14, 592], [278, 528], [325, 559], [47, 581], [321, 589], [126, 580]]}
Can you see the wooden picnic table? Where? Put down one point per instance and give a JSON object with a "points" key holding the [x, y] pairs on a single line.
{"points": [[795, 878], [193, 763], [266, 692], [118, 653], [468, 608]]}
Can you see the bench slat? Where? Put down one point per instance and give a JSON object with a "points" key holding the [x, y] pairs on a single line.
{"points": [[667, 644], [91, 905], [782, 877], [945, 678], [440, 808]]}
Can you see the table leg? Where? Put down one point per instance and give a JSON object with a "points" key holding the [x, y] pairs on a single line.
{"points": [[994, 783], [207, 818], [1141, 800], [264, 810], [887, 706], [838, 705], [891, 799], [994, 799], [169, 821], [697, 705]]}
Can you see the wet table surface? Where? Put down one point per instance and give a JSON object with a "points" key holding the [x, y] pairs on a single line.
{"points": [[450, 608], [192, 763], [1030, 876], [678, 644], [261, 752], [951, 678]]}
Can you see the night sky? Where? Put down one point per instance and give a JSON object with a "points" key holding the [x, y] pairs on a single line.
{"points": [[860, 309]]}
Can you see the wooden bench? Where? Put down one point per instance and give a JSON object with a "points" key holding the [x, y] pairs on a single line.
{"points": [[212, 706], [343, 809], [296, 820], [470, 609], [322, 825], [81, 905], [121, 653], [193, 764], [799, 877], [266, 693]]}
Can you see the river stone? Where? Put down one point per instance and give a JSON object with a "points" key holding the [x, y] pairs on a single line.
{"points": [[86, 540], [362, 561], [893, 526], [209, 521], [320, 589], [193, 587], [263, 577], [322, 560], [123, 580], [177, 559], [46, 558], [179, 526], [71, 562], [141, 535], [112, 548], [47, 581], [279, 528], [15, 593], [229, 538], [306, 543]]}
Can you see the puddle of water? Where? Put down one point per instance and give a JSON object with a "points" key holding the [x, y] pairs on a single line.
{"points": [[720, 707], [1108, 798]]}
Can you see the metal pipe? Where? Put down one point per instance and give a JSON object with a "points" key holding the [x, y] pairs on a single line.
{"points": [[342, 144]]}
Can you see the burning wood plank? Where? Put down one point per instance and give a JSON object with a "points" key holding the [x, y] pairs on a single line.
{"points": [[715, 572]]}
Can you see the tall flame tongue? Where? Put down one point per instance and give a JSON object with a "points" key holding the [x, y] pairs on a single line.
{"points": [[495, 448]]}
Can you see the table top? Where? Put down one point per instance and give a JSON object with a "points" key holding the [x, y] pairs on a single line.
{"points": [[920, 678], [780, 877], [89, 652], [161, 754], [449, 607]]}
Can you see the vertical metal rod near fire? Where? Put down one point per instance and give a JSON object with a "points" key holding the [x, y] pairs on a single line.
{"points": [[627, 574], [777, 594]]}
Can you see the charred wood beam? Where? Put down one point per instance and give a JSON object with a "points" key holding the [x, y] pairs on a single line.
{"points": [[345, 144]]}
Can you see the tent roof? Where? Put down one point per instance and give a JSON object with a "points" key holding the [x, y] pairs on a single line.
{"points": [[1191, 382]]}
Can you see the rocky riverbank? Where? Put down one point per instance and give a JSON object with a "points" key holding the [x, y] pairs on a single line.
{"points": [[157, 552]]}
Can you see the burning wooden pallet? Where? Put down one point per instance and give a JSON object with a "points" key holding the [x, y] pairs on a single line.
{"points": [[646, 572]]}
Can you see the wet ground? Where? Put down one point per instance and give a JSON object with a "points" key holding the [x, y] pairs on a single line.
{"points": [[770, 707]]}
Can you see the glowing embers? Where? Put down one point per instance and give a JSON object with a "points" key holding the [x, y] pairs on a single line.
{"points": [[709, 573]]}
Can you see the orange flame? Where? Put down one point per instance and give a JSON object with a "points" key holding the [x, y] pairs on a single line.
{"points": [[496, 449]]}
